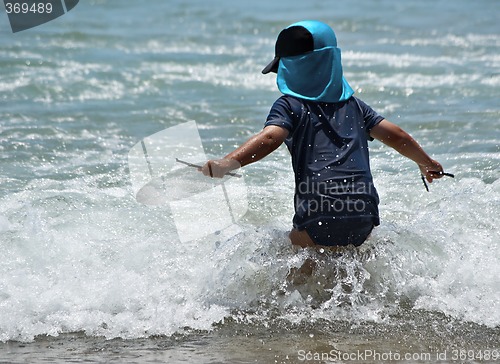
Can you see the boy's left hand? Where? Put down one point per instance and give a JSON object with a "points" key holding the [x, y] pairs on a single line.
{"points": [[432, 171]]}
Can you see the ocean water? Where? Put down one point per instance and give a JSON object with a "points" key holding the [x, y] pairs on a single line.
{"points": [[89, 273]]}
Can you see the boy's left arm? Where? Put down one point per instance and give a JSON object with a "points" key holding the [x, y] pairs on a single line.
{"points": [[254, 149], [395, 137]]}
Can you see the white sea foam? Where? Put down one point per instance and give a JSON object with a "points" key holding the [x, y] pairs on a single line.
{"points": [[85, 259]]}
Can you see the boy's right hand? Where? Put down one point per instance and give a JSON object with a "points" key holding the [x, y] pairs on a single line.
{"points": [[432, 170], [219, 167]]}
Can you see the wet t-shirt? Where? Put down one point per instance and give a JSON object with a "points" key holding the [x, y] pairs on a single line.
{"points": [[329, 147]]}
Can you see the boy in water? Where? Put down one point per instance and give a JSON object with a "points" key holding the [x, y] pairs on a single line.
{"points": [[326, 130]]}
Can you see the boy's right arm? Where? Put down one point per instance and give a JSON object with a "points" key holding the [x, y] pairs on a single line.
{"points": [[395, 137], [254, 149]]}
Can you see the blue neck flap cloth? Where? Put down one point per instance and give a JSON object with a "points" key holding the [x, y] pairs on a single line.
{"points": [[315, 75]]}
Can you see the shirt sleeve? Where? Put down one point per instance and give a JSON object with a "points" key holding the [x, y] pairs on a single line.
{"points": [[282, 114], [370, 116]]}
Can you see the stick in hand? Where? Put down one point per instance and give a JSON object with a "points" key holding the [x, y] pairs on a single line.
{"points": [[443, 173], [199, 167]]}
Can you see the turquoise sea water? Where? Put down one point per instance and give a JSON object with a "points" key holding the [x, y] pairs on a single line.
{"points": [[80, 255]]}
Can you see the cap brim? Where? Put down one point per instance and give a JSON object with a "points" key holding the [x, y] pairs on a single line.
{"points": [[273, 66]]}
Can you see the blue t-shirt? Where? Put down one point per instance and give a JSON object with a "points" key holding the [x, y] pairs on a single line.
{"points": [[329, 147]]}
